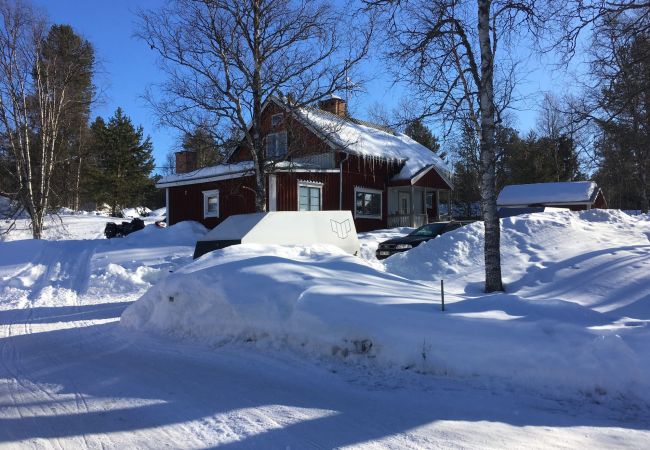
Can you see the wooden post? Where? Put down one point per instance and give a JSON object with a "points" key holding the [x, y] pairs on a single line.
{"points": [[412, 208], [442, 293]]}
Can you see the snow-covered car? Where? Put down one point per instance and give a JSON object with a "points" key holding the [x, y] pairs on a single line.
{"points": [[415, 238]]}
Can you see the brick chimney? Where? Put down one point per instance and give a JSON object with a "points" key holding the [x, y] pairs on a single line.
{"points": [[335, 105], [185, 161]]}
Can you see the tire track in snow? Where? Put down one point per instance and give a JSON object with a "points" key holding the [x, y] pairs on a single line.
{"points": [[69, 269]]}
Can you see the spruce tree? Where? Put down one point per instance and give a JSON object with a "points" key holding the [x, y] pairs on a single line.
{"points": [[123, 163], [75, 59], [420, 133], [204, 145]]}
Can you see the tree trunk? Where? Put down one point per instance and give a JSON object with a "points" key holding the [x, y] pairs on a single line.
{"points": [[75, 202], [488, 143], [258, 147]]}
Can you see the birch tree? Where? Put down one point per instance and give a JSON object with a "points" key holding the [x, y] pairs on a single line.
{"points": [[224, 58], [34, 96], [448, 51]]}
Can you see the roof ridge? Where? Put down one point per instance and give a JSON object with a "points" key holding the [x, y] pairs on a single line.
{"points": [[365, 123]]}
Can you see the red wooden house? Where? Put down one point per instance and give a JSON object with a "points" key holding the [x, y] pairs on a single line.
{"points": [[320, 159]]}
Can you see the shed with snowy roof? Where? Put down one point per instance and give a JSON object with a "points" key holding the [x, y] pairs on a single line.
{"points": [[574, 195], [317, 159]]}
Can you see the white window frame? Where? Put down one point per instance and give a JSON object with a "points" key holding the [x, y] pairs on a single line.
{"points": [[275, 154], [206, 196], [276, 116], [309, 184], [368, 191]]}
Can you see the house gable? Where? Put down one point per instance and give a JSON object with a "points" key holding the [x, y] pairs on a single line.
{"points": [[303, 141]]}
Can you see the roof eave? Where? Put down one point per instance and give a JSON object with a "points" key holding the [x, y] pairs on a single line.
{"points": [[206, 179]]}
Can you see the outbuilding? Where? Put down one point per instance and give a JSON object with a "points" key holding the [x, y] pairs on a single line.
{"points": [[573, 195]]}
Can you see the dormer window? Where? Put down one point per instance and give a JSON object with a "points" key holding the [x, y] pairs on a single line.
{"points": [[276, 145], [276, 119]]}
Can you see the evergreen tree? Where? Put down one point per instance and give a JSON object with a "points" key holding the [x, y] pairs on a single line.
{"points": [[624, 147], [123, 163], [201, 141], [536, 159], [467, 171], [420, 133], [75, 57]]}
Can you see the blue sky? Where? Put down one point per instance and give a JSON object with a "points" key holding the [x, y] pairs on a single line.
{"points": [[128, 66]]}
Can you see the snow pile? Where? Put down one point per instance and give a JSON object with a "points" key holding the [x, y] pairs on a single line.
{"points": [[158, 213], [370, 241], [541, 193], [326, 303], [63, 272], [538, 251], [137, 212]]}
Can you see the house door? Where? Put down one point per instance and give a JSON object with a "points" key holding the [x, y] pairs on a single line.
{"points": [[273, 193], [404, 201]]}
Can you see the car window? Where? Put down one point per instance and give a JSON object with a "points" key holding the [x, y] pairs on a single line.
{"points": [[452, 226], [432, 229]]}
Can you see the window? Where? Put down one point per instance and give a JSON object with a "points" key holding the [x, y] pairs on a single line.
{"points": [[310, 196], [211, 203], [276, 119], [367, 203], [276, 145]]}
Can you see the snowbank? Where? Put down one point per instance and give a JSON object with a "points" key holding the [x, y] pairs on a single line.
{"points": [[62, 272], [137, 212], [326, 303], [160, 212], [370, 241]]}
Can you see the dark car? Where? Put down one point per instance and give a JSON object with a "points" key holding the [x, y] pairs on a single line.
{"points": [[415, 238]]}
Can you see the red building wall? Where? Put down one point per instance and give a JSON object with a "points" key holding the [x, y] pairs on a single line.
{"points": [[186, 202]]}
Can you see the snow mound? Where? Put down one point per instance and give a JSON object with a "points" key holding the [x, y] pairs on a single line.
{"points": [[536, 250], [160, 212], [182, 233], [137, 212], [66, 271], [326, 303]]}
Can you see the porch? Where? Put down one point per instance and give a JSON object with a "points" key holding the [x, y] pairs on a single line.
{"points": [[413, 206]]}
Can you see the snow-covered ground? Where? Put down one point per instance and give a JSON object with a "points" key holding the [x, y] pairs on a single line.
{"points": [[274, 348]]}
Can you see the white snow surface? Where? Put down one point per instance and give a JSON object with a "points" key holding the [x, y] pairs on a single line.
{"points": [[136, 212], [160, 212], [73, 376], [541, 193], [369, 242], [564, 324]]}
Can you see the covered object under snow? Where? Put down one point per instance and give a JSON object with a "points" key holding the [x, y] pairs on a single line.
{"points": [[575, 195], [283, 228]]}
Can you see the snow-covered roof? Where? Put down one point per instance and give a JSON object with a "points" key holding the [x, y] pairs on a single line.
{"points": [[372, 141], [548, 193], [206, 174], [349, 135]]}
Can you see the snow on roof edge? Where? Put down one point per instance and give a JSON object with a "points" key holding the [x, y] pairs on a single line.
{"points": [[207, 173]]}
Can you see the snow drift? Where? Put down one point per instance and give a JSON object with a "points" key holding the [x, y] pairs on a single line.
{"points": [[563, 324]]}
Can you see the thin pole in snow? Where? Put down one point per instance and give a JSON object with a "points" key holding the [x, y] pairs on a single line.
{"points": [[442, 293]]}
